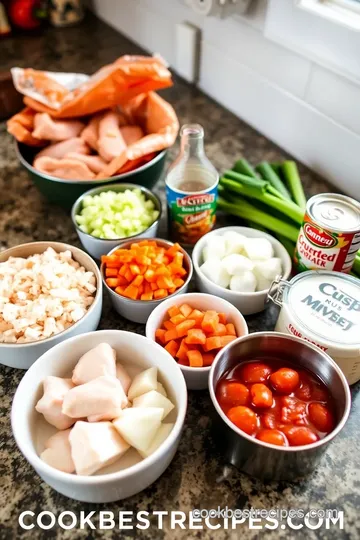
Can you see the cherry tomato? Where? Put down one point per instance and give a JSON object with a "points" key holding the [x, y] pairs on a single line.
{"points": [[293, 411], [261, 395], [255, 372], [319, 393], [268, 421], [299, 435], [232, 393], [285, 380], [243, 418], [321, 417], [272, 436]]}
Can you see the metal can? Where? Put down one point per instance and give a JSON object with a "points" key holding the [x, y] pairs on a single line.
{"points": [[323, 308], [330, 235]]}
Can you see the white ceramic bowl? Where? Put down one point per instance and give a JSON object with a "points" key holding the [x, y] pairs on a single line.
{"points": [[196, 377], [113, 483], [100, 246], [139, 310], [247, 303], [23, 355]]}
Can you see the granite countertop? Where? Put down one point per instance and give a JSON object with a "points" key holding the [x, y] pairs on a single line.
{"points": [[198, 476]]}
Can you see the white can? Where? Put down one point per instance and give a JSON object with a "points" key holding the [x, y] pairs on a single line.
{"points": [[323, 308]]}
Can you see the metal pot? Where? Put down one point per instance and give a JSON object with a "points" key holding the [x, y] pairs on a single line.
{"points": [[257, 458]]}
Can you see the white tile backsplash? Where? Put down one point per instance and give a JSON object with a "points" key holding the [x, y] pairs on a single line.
{"points": [[309, 110]]}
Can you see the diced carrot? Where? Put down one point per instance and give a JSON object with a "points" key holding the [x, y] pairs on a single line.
{"points": [[150, 275], [153, 286], [182, 352], [230, 329], [220, 330], [173, 250], [172, 348], [222, 318], [138, 280], [174, 310], [226, 339], [160, 335], [195, 359], [172, 290], [162, 271], [143, 260], [123, 270], [177, 270], [147, 287], [195, 337], [122, 280], [184, 327], [112, 282], [120, 290], [196, 315], [143, 268], [166, 260], [111, 261], [145, 243], [178, 258], [134, 269], [125, 257], [141, 288], [177, 319], [129, 275], [160, 293], [131, 292], [208, 359], [164, 282], [185, 309], [213, 343], [178, 282], [111, 272], [168, 325], [183, 361], [170, 335], [147, 296], [210, 321]]}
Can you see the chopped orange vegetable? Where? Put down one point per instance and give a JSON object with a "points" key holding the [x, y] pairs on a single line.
{"points": [[150, 275], [174, 310], [112, 282], [220, 330], [168, 325], [195, 359], [138, 281], [212, 343], [177, 319], [128, 275], [120, 290], [147, 296], [210, 321], [195, 337], [222, 318], [230, 329], [134, 269], [111, 272], [170, 335], [131, 292], [178, 282], [185, 309], [160, 293], [164, 282], [153, 286], [208, 359], [196, 315], [172, 348], [184, 327], [182, 352], [226, 339], [160, 335]]}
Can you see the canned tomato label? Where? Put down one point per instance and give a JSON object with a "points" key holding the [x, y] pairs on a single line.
{"points": [[323, 308], [191, 215], [330, 235]]}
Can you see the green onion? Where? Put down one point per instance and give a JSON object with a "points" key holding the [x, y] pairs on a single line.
{"points": [[293, 181], [267, 173], [242, 166], [246, 180]]}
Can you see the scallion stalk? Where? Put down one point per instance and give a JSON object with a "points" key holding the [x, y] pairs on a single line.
{"points": [[242, 166], [293, 182], [267, 173]]}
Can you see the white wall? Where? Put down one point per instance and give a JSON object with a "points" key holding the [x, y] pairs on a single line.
{"points": [[297, 101]]}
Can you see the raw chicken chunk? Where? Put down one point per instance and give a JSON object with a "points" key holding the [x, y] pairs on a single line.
{"points": [[95, 445], [131, 134], [110, 143], [60, 149], [90, 134], [50, 405], [64, 168], [95, 363], [95, 163], [49, 129], [100, 399], [57, 452], [123, 377]]}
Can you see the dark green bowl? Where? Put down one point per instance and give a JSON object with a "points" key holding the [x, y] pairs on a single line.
{"points": [[65, 192]]}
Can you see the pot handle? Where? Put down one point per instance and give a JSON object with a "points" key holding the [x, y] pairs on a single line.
{"points": [[276, 290]]}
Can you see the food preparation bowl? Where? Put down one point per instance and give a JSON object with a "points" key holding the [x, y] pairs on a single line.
{"points": [[196, 377], [247, 303], [29, 428], [64, 192], [23, 355], [260, 459], [100, 246], [139, 310]]}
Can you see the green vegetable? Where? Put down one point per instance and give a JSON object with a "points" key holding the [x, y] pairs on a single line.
{"points": [[242, 166], [293, 181], [267, 173], [243, 209], [112, 215], [246, 180], [356, 265], [288, 208]]}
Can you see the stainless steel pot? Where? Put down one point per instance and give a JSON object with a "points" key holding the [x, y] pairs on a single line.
{"points": [[257, 458]]}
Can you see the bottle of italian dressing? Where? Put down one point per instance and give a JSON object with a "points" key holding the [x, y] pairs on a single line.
{"points": [[191, 189]]}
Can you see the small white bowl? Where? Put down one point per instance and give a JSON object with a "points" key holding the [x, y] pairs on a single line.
{"points": [[139, 310], [97, 247], [115, 482], [23, 355], [196, 377], [247, 303]]}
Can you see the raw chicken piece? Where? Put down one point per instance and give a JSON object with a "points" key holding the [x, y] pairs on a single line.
{"points": [[90, 133], [131, 134], [94, 446], [55, 130], [59, 150], [95, 163], [95, 363], [110, 143], [66, 168], [123, 377], [58, 452], [50, 405], [100, 399]]}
